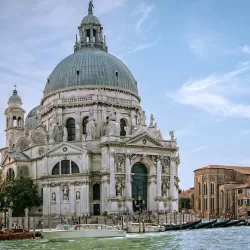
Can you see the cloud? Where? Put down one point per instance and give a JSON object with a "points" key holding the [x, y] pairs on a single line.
{"points": [[198, 149], [143, 10], [245, 49], [245, 132], [216, 93], [140, 47]]}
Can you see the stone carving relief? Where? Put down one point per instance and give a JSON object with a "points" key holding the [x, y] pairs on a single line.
{"points": [[176, 181], [41, 150], [120, 162], [78, 195], [120, 184], [38, 137], [53, 197], [165, 162], [22, 144], [91, 126]]}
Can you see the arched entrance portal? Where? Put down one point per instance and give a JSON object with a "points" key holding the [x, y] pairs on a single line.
{"points": [[139, 187]]}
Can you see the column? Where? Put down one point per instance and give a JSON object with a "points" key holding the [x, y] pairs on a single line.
{"points": [[128, 176], [83, 199], [112, 175], [78, 126], [87, 196], [152, 194], [172, 174], [58, 200], [104, 193], [72, 199], [91, 35], [159, 170], [99, 123], [46, 199]]}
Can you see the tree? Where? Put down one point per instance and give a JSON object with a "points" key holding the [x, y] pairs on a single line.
{"points": [[23, 193]]}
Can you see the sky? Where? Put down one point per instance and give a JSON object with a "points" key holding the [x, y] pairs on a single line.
{"points": [[191, 60]]}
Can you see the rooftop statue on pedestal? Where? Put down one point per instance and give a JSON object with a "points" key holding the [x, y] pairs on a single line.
{"points": [[91, 7]]}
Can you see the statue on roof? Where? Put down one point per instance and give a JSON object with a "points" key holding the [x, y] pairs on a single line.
{"points": [[91, 7]]}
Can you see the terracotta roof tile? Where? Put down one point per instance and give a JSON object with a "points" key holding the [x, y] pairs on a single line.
{"points": [[243, 170], [187, 193]]}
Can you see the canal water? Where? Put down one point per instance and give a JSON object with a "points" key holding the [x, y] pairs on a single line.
{"points": [[214, 239]]}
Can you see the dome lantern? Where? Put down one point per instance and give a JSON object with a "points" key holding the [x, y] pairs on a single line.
{"points": [[91, 32]]}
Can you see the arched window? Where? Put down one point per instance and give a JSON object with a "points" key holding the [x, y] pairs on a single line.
{"points": [[74, 168], [84, 125], [10, 174], [56, 169], [122, 127], [71, 128], [14, 124], [19, 122], [65, 167], [96, 192]]}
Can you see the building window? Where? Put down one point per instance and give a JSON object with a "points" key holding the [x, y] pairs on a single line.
{"points": [[199, 188], [248, 202], [212, 188], [84, 125], [248, 191], [65, 167], [70, 125], [239, 191], [240, 202], [222, 200], [96, 192], [205, 188], [228, 200], [212, 204], [10, 174], [205, 203], [122, 127]]}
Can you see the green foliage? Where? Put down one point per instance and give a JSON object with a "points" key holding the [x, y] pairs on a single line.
{"points": [[23, 193], [185, 203]]}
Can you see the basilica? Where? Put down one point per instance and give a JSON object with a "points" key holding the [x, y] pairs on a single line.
{"points": [[87, 144]]}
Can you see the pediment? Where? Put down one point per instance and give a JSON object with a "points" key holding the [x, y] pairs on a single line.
{"points": [[144, 140], [64, 149]]}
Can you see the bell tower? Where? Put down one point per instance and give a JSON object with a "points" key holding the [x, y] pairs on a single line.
{"points": [[14, 120]]}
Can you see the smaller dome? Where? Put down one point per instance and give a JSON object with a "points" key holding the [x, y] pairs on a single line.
{"points": [[31, 118], [15, 97], [90, 19]]}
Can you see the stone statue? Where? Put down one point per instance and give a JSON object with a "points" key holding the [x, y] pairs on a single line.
{"points": [[91, 126], [155, 126], [53, 196], [65, 134], [78, 195], [65, 192], [164, 189], [159, 134], [119, 159], [143, 118], [126, 130], [26, 212], [151, 120], [171, 133], [118, 189]]}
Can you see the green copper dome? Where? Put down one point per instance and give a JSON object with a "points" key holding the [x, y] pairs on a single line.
{"points": [[90, 67]]}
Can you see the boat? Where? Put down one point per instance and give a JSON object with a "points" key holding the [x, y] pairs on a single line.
{"points": [[203, 224], [232, 223], [68, 232], [15, 234], [218, 224], [146, 228], [183, 226]]}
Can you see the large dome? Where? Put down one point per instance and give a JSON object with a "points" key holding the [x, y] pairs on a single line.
{"points": [[90, 67]]}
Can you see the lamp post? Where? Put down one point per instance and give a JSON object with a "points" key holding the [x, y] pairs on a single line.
{"points": [[4, 207]]}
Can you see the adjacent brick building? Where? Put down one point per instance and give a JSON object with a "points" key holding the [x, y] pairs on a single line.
{"points": [[219, 190]]}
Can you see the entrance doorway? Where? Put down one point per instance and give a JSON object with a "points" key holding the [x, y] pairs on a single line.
{"points": [[139, 186], [96, 209]]}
